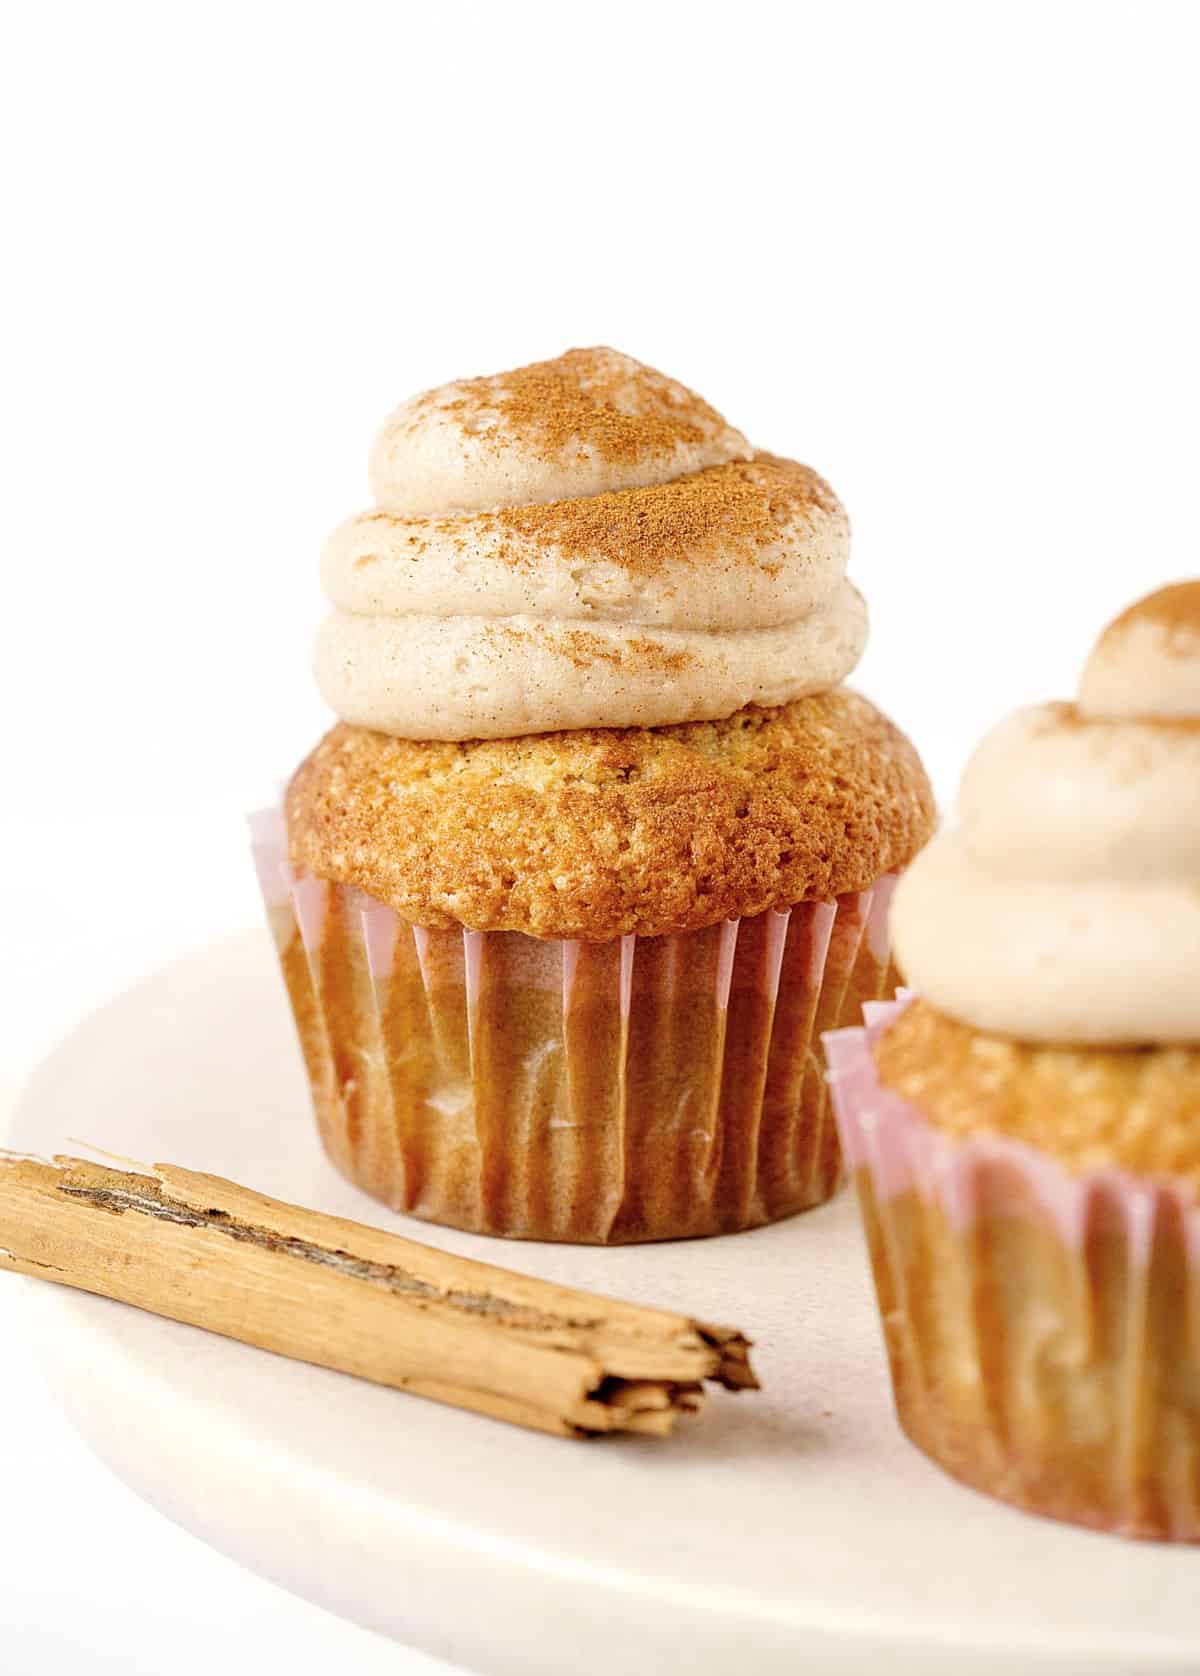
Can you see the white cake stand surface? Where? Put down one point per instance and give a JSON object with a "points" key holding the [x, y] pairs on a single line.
{"points": [[791, 1531]]}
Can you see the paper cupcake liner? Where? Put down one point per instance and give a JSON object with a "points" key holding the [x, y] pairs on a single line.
{"points": [[645, 1088], [1042, 1326]]}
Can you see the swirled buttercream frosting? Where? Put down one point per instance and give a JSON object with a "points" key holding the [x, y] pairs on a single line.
{"points": [[1065, 906], [580, 543]]}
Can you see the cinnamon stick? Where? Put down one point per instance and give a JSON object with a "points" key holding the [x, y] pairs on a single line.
{"points": [[202, 1250]]}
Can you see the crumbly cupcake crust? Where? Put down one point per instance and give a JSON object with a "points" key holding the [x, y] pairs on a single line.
{"points": [[600, 832], [1089, 1108]]}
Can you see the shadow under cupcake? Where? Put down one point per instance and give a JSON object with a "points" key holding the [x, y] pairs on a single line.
{"points": [[1025, 1136], [600, 845]]}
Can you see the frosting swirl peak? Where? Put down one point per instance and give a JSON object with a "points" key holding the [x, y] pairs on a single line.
{"points": [[591, 420], [1148, 661], [580, 543], [1066, 905]]}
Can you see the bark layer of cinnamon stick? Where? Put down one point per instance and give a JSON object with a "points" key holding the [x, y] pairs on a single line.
{"points": [[207, 1252]]}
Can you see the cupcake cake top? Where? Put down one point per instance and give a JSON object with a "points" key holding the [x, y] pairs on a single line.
{"points": [[1065, 907], [580, 543], [598, 833]]}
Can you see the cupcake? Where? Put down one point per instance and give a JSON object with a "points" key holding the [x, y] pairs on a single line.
{"points": [[599, 844], [1025, 1134]]}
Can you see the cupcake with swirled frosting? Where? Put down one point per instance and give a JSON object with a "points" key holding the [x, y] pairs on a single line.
{"points": [[1026, 1132], [600, 843]]}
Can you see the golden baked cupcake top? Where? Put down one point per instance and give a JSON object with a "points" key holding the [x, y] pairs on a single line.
{"points": [[600, 832], [1091, 1107], [580, 543], [1065, 907]]}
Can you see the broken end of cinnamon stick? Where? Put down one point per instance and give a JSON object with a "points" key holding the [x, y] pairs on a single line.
{"points": [[732, 1352]]}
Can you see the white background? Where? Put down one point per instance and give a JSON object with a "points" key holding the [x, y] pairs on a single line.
{"points": [[944, 252]]}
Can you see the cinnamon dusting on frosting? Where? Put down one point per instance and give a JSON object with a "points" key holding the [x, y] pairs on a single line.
{"points": [[1147, 663], [612, 518], [1176, 609], [1060, 714], [730, 511], [586, 400], [584, 650]]}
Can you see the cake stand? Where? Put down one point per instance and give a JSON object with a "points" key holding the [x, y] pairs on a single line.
{"points": [[792, 1530]]}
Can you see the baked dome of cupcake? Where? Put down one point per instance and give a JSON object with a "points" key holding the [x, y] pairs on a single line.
{"points": [[608, 831], [1090, 1108]]}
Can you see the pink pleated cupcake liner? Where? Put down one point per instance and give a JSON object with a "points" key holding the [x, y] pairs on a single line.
{"points": [[1042, 1324], [891, 1139], [644, 1088]]}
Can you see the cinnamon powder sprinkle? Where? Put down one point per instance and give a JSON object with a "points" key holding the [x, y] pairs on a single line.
{"points": [[1064, 713], [731, 511], [1175, 609], [583, 649], [588, 402]]}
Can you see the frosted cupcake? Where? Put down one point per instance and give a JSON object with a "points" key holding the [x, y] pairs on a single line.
{"points": [[600, 843], [1026, 1135]]}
